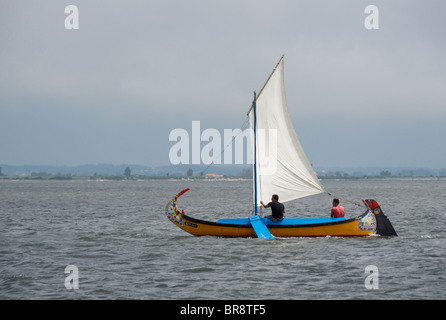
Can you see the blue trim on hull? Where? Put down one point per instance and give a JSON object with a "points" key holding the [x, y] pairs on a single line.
{"points": [[284, 222]]}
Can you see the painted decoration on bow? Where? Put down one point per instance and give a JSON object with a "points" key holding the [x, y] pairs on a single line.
{"points": [[173, 213], [368, 222]]}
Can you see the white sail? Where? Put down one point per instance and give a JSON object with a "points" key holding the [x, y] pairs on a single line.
{"points": [[282, 166]]}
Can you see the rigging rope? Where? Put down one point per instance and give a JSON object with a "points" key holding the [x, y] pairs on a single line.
{"points": [[343, 199], [244, 126]]}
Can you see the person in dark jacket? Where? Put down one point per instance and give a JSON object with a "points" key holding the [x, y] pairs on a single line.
{"points": [[277, 208]]}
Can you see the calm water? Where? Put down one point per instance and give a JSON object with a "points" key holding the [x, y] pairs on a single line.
{"points": [[124, 247]]}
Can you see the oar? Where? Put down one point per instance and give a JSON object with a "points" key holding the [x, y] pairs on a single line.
{"points": [[260, 228]]}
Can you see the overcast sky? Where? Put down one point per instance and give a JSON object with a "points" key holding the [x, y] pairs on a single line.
{"points": [[113, 90]]}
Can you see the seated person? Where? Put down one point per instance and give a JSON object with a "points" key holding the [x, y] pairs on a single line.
{"points": [[337, 211], [277, 208]]}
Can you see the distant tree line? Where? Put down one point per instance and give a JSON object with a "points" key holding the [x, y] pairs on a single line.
{"points": [[244, 173]]}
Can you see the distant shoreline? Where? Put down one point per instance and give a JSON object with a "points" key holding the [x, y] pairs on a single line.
{"points": [[197, 171]]}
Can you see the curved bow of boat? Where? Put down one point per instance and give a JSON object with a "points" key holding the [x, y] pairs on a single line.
{"points": [[173, 213]]}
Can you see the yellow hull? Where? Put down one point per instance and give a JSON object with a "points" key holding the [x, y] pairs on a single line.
{"points": [[361, 226], [346, 228]]}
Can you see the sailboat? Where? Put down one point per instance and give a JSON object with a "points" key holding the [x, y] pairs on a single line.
{"points": [[280, 167]]}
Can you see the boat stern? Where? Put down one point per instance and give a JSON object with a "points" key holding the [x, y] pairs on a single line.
{"points": [[376, 218]]}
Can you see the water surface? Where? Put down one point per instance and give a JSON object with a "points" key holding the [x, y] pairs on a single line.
{"points": [[124, 247]]}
